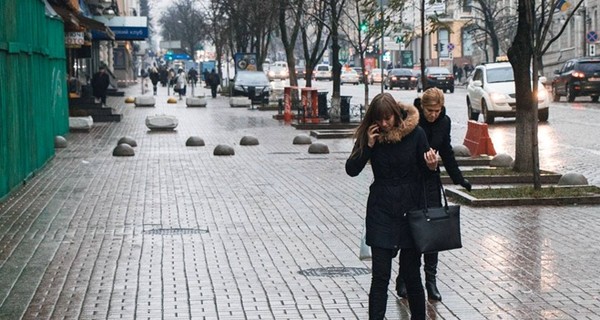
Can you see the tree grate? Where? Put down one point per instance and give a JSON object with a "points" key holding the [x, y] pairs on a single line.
{"points": [[175, 231], [333, 272]]}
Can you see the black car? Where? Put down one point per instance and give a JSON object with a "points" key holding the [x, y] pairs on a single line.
{"points": [[438, 77], [577, 77], [252, 84], [300, 72], [400, 78]]}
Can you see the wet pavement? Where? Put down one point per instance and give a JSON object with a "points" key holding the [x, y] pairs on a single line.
{"points": [[271, 232]]}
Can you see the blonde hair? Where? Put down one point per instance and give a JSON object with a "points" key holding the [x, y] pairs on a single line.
{"points": [[432, 96]]}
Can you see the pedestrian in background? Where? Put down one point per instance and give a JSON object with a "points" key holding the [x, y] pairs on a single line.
{"points": [[154, 77], [181, 84], [193, 76], [100, 83], [213, 81], [437, 125], [164, 76], [391, 140]]}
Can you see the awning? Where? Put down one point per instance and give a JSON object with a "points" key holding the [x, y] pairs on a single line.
{"points": [[77, 21]]}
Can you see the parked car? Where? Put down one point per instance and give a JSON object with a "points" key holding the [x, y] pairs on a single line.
{"points": [[362, 76], [322, 72], [300, 72], [349, 76], [376, 76], [438, 77], [278, 72], [400, 78], [252, 84], [491, 91], [577, 77]]}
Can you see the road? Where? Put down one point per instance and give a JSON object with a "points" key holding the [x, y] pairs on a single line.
{"points": [[567, 142]]}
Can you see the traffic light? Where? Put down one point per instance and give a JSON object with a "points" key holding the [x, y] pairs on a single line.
{"points": [[363, 26]]}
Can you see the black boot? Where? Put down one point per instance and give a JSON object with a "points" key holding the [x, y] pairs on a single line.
{"points": [[432, 291], [400, 287], [416, 304]]}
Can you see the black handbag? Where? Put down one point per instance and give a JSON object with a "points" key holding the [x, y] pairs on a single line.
{"points": [[436, 229]]}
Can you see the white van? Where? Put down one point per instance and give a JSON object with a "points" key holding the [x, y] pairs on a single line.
{"points": [[322, 72], [280, 64]]}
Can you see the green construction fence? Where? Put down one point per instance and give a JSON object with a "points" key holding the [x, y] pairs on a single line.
{"points": [[33, 94]]}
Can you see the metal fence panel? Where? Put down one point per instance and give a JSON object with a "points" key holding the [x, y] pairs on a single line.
{"points": [[33, 94]]}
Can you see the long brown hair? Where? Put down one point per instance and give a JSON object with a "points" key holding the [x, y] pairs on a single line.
{"points": [[381, 107]]}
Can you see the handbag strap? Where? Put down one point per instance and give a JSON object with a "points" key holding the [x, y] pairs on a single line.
{"points": [[443, 191]]}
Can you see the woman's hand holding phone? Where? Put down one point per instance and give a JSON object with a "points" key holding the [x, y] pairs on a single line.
{"points": [[373, 133]]}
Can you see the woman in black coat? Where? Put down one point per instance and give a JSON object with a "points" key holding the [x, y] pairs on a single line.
{"points": [[436, 124], [396, 147]]}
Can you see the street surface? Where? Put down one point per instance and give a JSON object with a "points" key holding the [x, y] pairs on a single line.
{"points": [[273, 232], [567, 142]]}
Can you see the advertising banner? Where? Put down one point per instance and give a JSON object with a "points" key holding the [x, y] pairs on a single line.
{"points": [[245, 62]]}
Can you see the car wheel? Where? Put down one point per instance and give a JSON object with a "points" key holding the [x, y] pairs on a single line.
{"points": [[473, 115], [570, 94], [543, 115], [487, 117], [594, 98], [555, 95]]}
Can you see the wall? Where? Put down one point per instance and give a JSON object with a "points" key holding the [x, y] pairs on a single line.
{"points": [[33, 93]]}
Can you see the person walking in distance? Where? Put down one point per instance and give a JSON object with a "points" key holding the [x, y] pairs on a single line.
{"points": [[437, 125], [100, 83], [154, 77], [391, 140], [213, 82], [181, 84]]}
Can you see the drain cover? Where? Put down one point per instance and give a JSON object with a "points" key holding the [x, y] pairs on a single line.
{"points": [[175, 231], [334, 272]]}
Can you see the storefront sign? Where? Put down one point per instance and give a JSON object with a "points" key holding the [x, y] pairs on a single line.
{"points": [[124, 28], [74, 39]]}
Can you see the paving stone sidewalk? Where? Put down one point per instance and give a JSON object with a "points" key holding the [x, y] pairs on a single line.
{"points": [[271, 232]]}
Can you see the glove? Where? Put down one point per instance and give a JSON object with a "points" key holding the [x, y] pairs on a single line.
{"points": [[466, 184]]}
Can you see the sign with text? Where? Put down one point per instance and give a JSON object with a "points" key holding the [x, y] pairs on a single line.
{"points": [[124, 28]]}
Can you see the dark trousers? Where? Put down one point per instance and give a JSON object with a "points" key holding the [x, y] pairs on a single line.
{"points": [[410, 263], [213, 91]]}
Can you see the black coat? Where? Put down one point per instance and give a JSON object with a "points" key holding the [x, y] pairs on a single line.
{"points": [[154, 77], [438, 135], [398, 166], [100, 82]]}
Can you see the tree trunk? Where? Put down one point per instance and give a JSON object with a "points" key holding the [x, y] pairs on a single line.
{"points": [[335, 61], [520, 55]]}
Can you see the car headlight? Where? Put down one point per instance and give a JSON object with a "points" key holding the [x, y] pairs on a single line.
{"points": [[542, 94], [238, 88], [497, 97]]}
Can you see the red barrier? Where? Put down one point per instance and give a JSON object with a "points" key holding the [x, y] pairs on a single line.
{"points": [[287, 103], [310, 102], [478, 140]]}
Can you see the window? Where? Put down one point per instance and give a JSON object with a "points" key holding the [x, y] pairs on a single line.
{"points": [[466, 5]]}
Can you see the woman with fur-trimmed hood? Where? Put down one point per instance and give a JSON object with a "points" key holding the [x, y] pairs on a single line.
{"points": [[391, 140]]}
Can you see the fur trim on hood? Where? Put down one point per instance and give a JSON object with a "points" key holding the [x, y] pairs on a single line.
{"points": [[406, 125]]}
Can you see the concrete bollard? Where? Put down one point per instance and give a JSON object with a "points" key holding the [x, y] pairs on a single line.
{"points": [[249, 141], [145, 101]]}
